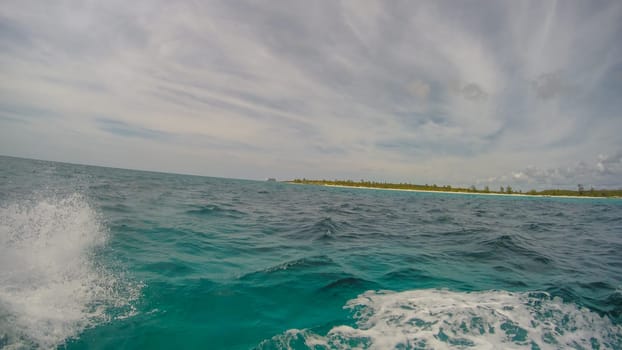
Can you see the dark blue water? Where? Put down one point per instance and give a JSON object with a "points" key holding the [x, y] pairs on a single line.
{"points": [[106, 258]]}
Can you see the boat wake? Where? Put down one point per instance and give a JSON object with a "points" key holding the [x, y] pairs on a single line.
{"points": [[442, 319]]}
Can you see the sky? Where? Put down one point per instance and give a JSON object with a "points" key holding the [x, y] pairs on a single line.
{"points": [[520, 93]]}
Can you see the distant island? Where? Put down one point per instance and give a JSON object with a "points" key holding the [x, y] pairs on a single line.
{"points": [[507, 190]]}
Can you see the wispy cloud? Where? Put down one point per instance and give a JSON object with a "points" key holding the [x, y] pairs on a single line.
{"points": [[124, 129], [425, 92]]}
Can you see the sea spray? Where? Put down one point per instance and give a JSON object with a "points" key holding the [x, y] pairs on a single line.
{"points": [[51, 286]]}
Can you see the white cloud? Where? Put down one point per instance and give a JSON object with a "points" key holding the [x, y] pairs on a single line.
{"points": [[610, 164], [396, 91], [605, 172]]}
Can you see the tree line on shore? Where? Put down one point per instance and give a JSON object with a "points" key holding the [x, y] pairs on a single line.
{"points": [[581, 191]]}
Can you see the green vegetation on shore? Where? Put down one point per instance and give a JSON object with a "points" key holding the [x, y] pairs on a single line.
{"points": [[580, 192]]}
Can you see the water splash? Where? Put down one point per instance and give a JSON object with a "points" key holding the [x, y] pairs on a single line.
{"points": [[51, 287]]}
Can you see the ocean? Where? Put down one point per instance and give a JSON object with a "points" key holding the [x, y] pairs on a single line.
{"points": [[102, 258]]}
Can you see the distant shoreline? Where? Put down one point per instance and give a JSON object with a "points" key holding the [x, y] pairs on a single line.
{"points": [[456, 192]]}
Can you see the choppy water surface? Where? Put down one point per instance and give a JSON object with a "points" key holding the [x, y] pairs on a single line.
{"points": [[106, 258]]}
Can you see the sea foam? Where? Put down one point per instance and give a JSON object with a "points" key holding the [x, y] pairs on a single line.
{"points": [[442, 319], [51, 287]]}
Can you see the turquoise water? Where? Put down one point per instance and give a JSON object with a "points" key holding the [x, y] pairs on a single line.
{"points": [[100, 258]]}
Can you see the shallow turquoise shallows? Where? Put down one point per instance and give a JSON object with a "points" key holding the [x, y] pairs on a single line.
{"points": [[101, 258]]}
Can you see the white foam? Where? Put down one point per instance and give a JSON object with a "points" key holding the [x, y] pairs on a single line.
{"points": [[50, 286], [441, 319]]}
